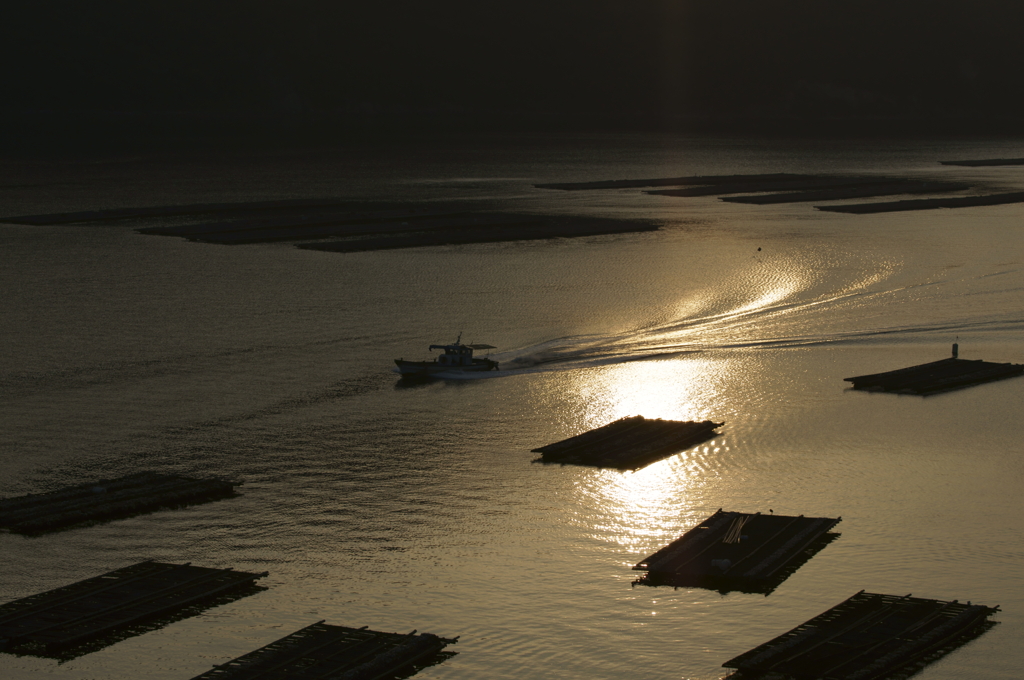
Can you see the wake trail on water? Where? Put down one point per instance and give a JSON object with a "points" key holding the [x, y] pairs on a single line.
{"points": [[780, 321]]}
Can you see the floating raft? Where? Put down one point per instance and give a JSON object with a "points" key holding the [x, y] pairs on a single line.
{"points": [[107, 605], [107, 499], [322, 651], [868, 636], [938, 376], [737, 550], [628, 443]]}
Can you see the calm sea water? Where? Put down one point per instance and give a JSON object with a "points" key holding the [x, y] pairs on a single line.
{"points": [[401, 508]]}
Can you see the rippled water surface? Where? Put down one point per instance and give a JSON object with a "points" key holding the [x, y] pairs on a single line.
{"points": [[372, 503]]}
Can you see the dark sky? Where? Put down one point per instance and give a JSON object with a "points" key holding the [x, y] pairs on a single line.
{"points": [[627, 63]]}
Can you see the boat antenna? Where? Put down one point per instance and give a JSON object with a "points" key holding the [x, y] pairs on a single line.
{"points": [[458, 339]]}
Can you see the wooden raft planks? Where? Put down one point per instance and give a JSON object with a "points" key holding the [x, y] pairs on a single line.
{"points": [[325, 651], [107, 499], [937, 376], [735, 549], [628, 443], [83, 611], [866, 637]]}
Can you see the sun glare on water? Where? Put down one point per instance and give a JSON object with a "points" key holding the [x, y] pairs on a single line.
{"points": [[635, 509]]}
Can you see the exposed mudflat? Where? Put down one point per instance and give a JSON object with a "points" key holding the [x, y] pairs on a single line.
{"points": [[927, 203], [986, 162]]}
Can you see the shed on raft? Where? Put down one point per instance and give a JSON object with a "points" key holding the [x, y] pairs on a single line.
{"points": [[113, 604], [738, 551], [323, 651], [107, 499], [867, 637], [938, 376], [628, 443]]}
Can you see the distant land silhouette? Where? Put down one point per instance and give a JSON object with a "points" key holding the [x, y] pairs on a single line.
{"points": [[120, 68]]}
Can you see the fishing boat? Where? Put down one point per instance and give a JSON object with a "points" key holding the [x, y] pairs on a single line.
{"points": [[455, 358]]}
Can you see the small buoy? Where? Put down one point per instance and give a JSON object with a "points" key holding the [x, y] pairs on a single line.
{"points": [[758, 250]]}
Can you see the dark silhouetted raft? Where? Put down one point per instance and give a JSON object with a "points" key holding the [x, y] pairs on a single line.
{"points": [[107, 499], [938, 376], [628, 443], [867, 637], [733, 550], [322, 651], [110, 604]]}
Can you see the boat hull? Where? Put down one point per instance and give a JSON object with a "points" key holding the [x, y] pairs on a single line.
{"points": [[429, 368]]}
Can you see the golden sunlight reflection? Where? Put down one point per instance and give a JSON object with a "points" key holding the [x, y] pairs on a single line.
{"points": [[759, 297], [636, 510], [683, 388], [641, 511]]}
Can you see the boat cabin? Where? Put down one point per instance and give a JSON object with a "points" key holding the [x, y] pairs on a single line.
{"points": [[457, 354], [455, 357]]}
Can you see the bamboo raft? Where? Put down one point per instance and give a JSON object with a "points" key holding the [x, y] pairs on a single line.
{"points": [[321, 651], [733, 550], [628, 443], [867, 637], [113, 604], [107, 499], [938, 376]]}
